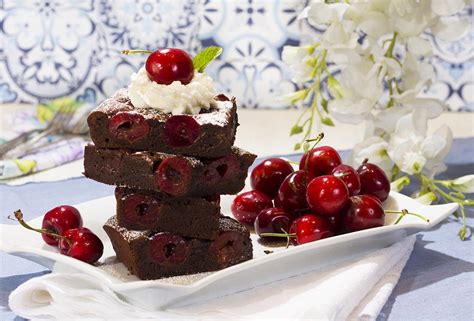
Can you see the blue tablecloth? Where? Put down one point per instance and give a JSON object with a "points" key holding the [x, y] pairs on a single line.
{"points": [[436, 284]]}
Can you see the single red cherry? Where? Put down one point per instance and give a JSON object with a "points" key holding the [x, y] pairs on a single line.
{"points": [[80, 243], [128, 126], [348, 176], [363, 212], [272, 220], [227, 247], [292, 192], [247, 205], [167, 65], [267, 176], [327, 194], [167, 247], [173, 176], [140, 210], [322, 160], [309, 228], [373, 181], [181, 130], [335, 221], [58, 220]]}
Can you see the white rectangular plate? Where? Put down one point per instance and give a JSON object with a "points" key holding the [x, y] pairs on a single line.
{"points": [[263, 269]]}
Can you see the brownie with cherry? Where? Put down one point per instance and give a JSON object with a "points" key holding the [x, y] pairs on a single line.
{"points": [[189, 217], [152, 255], [174, 175], [116, 123]]}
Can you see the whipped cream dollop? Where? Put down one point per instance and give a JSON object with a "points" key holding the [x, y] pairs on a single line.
{"points": [[174, 98]]}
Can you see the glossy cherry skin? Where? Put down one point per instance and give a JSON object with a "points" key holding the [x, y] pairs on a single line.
{"points": [[364, 212], [85, 245], [272, 220], [373, 181], [58, 220], [267, 176], [349, 176], [167, 65], [292, 192], [309, 228], [327, 194], [322, 160], [247, 205]]}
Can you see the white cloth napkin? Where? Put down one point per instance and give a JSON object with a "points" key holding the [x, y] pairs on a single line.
{"points": [[350, 291]]}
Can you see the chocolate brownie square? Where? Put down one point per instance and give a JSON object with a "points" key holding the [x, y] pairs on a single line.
{"points": [[148, 210], [179, 176], [153, 255], [116, 123]]}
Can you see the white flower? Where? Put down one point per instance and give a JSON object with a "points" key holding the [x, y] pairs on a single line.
{"points": [[361, 89], [450, 28], [447, 7], [375, 150], [412, 150], [464, 184], [298, 59]]}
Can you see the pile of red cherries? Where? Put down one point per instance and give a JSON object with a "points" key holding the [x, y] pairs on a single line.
{"points": [[62, 227], [322, 199]]}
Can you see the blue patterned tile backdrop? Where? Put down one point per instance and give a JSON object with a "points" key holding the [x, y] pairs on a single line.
{"points": [[53, 48]]}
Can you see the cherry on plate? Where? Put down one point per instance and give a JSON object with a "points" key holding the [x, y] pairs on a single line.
{"points": [[165, 66], [292, 192], [349, 176], [309, 228], [373, 181], [364, 212], [327, 194], [272, 220], [80, 243], [267, 176], [58, 220], [322, 160], [247, 205]]}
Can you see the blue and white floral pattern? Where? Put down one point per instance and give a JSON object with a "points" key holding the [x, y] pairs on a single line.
{"points": [[53, 48]]}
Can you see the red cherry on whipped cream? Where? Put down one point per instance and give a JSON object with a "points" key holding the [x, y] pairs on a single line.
{"points": [[167, 65]]}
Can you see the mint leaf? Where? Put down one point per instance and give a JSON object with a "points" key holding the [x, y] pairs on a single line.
{"points": [[327, 121], [203, 58]]}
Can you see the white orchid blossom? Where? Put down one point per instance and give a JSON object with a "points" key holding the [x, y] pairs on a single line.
{"points": [[372, 64]]}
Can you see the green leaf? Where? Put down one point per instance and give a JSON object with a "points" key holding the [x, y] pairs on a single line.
{"points": [[324, 104], [207, 55], [296, 130], [327, 121], [297, 146], [462, 233]]}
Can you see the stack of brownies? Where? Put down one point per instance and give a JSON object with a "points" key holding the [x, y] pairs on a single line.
{"points": [[170, 171]]}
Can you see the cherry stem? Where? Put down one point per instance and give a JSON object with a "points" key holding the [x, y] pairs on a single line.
{"points": [[135, 51], [19, 218], [405, 212], [316, 140], [365, 161], [279, 234]]}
